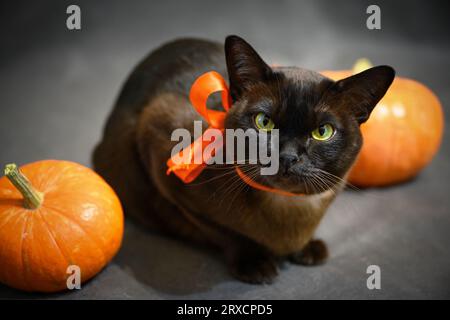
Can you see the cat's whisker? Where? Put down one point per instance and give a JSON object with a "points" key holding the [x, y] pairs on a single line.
{"points": [[332, 184], [235, 181], [241, 187], [217, 177], [230, 176], [318, 188], [334, 179], [329, 185], [222, 195], [234, 186], [345, 182], [305, 183], [353, 187], [310, 181], [349, 204], [230, 170], [323, 185]]}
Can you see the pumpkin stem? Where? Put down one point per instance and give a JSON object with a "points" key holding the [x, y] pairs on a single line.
{"points": [[32, 199], [361, 65]]}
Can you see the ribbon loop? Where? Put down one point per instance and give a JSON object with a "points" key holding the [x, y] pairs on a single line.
{"points": [[201, 89]]}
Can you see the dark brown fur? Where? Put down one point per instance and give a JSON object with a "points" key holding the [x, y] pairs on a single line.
{"points": [[253, 228]]}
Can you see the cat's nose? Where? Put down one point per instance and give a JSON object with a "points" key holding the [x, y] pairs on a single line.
{"points": [[288, 160]]}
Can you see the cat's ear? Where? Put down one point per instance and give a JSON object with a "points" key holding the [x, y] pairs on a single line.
{"points": [[244, 65], [362, 91]]}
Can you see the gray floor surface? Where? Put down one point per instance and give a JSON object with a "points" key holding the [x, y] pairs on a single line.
{"points": [[58, 86]]}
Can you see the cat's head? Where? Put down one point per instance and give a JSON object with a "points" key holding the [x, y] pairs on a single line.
{"points": [[318, 119]]}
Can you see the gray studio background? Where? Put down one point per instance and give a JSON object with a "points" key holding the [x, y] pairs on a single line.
{"points": [[57, 87]]}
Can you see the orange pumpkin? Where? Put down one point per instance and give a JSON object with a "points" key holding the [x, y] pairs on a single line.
{"points": [[54, 214], [402, 135]]}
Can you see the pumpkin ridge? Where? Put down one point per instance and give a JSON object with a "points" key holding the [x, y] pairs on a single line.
{"points": [[7, 216], [63, 254], [58, 212], [22, 253]]}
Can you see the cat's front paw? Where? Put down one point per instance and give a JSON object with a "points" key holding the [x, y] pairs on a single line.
{"points": [[314, 253], [254, 268]]}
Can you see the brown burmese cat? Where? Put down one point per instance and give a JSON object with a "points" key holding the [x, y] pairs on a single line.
{"points": [[254, 228]]}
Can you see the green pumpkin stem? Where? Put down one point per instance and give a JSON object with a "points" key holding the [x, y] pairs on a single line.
{"points": [[32, 199]]}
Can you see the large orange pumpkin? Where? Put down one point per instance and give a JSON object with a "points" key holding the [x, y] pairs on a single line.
{"points": [[54, 214], [402, 134]]}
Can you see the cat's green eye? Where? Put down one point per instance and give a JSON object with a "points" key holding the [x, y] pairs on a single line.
{"points": [[263, 122], [323, 133]]}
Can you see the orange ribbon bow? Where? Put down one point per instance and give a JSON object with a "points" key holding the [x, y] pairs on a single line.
{"points": [[188, 171], [203, 87]]}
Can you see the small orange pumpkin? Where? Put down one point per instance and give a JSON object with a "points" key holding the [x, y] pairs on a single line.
{"points": [[402, 135], [54, 214]]}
